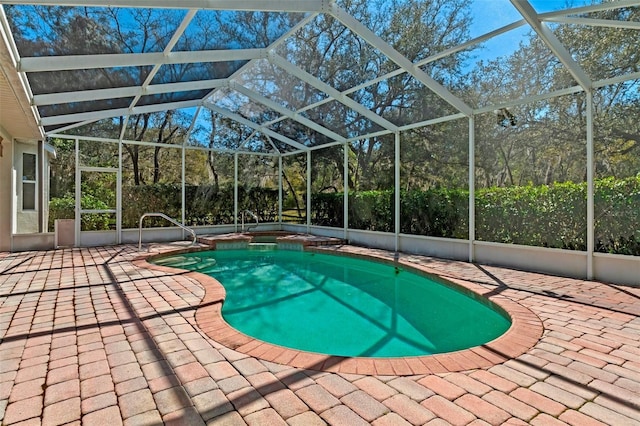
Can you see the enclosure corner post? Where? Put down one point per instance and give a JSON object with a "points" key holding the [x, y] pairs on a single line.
{"points": [[345, 199], [183, 187], [119, 195], [472, 189], [590, 187], [78, 216], [308, 190], [397, 192], [280, 190], [235, 192]]}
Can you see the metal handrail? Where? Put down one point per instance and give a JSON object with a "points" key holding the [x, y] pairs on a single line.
{"points": [[252, 214], [164, 216]]}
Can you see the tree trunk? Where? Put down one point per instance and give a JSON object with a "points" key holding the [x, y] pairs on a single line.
{"points": [[293, 192]]}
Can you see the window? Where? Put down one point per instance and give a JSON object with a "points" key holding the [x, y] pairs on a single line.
{"points": [[28, 181]]}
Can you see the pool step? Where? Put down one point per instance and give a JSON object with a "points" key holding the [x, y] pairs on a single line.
{"points": [[263, 246]]}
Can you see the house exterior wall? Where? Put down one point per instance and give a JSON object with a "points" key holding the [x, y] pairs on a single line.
{"points": [[6, 192]]}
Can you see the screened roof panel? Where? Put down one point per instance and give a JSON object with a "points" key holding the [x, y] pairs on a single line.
{"points": [[332, 53], [403, 108], [238, 103], [171, 97], [283, 147], [215, 29], [228, 134], [529, 68], [300, 133], [56, 128], [170, 128], [542, 6], [86, 106], [257, 142], [259, 76], [85, 79], [589, 44], [394, 102], [502, 13], [224, 97], [279, 86], [107, 128], [195, 71], [59, 30], [418, 29], [341, 120], [202, 128]]}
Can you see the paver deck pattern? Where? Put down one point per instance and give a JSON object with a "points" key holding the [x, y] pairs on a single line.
{"points": [[89, 337]]}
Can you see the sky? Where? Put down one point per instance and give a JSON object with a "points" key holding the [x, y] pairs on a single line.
{"points": [[489, 15], [492, 14]]}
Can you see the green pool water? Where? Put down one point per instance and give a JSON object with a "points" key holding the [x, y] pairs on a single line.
{"points": [[342, 306]]}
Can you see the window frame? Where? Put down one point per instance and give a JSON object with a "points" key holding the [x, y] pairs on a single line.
{"points": [[30, 182]]}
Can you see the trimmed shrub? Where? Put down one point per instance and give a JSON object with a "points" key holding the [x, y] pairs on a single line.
{"points": [[65, 207]]}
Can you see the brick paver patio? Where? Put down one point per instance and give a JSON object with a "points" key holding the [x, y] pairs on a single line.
{"points": [[90, 337]]}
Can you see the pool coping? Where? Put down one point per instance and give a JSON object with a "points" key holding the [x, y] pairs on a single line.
{"points": [[525, 330]]}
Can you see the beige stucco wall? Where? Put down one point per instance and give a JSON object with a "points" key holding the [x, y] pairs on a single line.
{"points": [[6, 192]]}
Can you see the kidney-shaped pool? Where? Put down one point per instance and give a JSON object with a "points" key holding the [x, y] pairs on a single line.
{"points": [[343, 306]]}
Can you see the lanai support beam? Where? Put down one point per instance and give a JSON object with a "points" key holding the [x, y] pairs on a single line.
{"points": [[606, 23], [111, 60], [280, 190], [111, 113], [235, 191], [124, 92]]}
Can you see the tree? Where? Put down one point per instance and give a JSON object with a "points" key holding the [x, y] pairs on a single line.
{"points": [[417, 29], [548, 142]]}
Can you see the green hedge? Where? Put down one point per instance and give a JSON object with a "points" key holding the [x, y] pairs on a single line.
{"points": [[440, 212], [204, 204], [544, 216], [64, 208], [437, 213], [617, 215]]}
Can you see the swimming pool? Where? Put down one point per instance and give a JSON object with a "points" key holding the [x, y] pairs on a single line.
{"points": [[343, 306]]}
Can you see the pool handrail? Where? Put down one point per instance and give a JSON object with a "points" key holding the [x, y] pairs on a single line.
{"points": [[164, 216], [252, 214]]}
